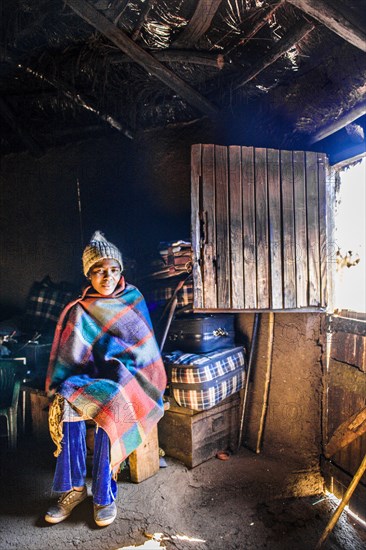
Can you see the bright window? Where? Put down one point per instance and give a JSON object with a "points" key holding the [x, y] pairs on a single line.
{"points": [[350, 239]]}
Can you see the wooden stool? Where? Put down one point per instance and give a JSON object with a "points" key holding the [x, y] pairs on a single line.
{"points": [[144, 461]]}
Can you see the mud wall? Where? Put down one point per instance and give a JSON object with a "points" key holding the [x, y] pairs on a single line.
{"points": [[41, 230], [289, 369]]}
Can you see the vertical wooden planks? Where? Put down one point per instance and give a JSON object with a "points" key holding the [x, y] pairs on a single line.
{"points": [[331, 177], [222, 227], [196, 172], [259, 228], [261, 211], [313, 228], [275, 227], [288, 223], [236, 228], [209, 226], [301, 247], [322, 205], [250, 257]]}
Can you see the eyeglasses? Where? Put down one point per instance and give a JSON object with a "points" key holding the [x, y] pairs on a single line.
{"points": [[104, 272]]}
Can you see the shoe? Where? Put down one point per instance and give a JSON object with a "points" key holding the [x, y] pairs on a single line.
{"points": [[65, 505], [105, 515]]}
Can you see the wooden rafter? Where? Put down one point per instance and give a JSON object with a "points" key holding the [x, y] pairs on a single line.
{"points": [[140, 56], [7, 114], [149, 4], [209, 59], [198, 24], [266, 14], [327, 14], [6, 55], [358, 111], [284, 45], [83, 102]]}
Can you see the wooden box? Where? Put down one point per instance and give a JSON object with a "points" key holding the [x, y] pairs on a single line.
{"points": [[195, 436]]}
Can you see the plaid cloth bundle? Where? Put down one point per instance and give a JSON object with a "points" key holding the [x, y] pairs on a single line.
{"points": [[106, 363], [44, 304], [159, 293], [200, 382]]}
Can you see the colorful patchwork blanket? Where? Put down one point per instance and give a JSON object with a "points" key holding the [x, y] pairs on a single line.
{"points": [[106, 363]]}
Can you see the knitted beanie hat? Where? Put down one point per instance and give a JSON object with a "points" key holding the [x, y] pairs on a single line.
{"points": [[99, 249]]}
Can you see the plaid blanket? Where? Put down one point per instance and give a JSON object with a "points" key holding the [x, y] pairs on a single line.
{"points": [[106, 363], [45, 302]]}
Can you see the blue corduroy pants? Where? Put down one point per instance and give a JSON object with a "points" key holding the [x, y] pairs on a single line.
{"points": [[71, 463]]}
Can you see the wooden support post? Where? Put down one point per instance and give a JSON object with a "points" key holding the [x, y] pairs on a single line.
{"points": [[244, 394], [352, 486], [267, 381]]}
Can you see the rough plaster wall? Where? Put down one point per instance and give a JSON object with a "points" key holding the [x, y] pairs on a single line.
{"points": [[293, 419], [39, 217], [38, 220], [137, 192]]}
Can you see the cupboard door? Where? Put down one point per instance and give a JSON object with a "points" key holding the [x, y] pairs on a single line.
{"points": [[259, 228]]}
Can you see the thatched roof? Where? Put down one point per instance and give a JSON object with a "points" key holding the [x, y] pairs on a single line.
{"points": [[82, 67]]}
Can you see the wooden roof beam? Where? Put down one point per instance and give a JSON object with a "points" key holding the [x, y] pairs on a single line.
{"points": [[149, 4], [266, 16], [7, 114], [189, 57], [329, 129], [284, 45], [199, 23], [15, 61], [140, 56], [81, 101], [327, 14]]}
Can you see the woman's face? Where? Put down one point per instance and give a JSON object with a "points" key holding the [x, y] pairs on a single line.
{"points": [[104, 276]]}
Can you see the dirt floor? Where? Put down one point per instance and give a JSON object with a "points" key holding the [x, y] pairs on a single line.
{"points": [[247, 502]]}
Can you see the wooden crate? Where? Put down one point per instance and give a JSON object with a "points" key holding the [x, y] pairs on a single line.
{"points": [[194, 437]]}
